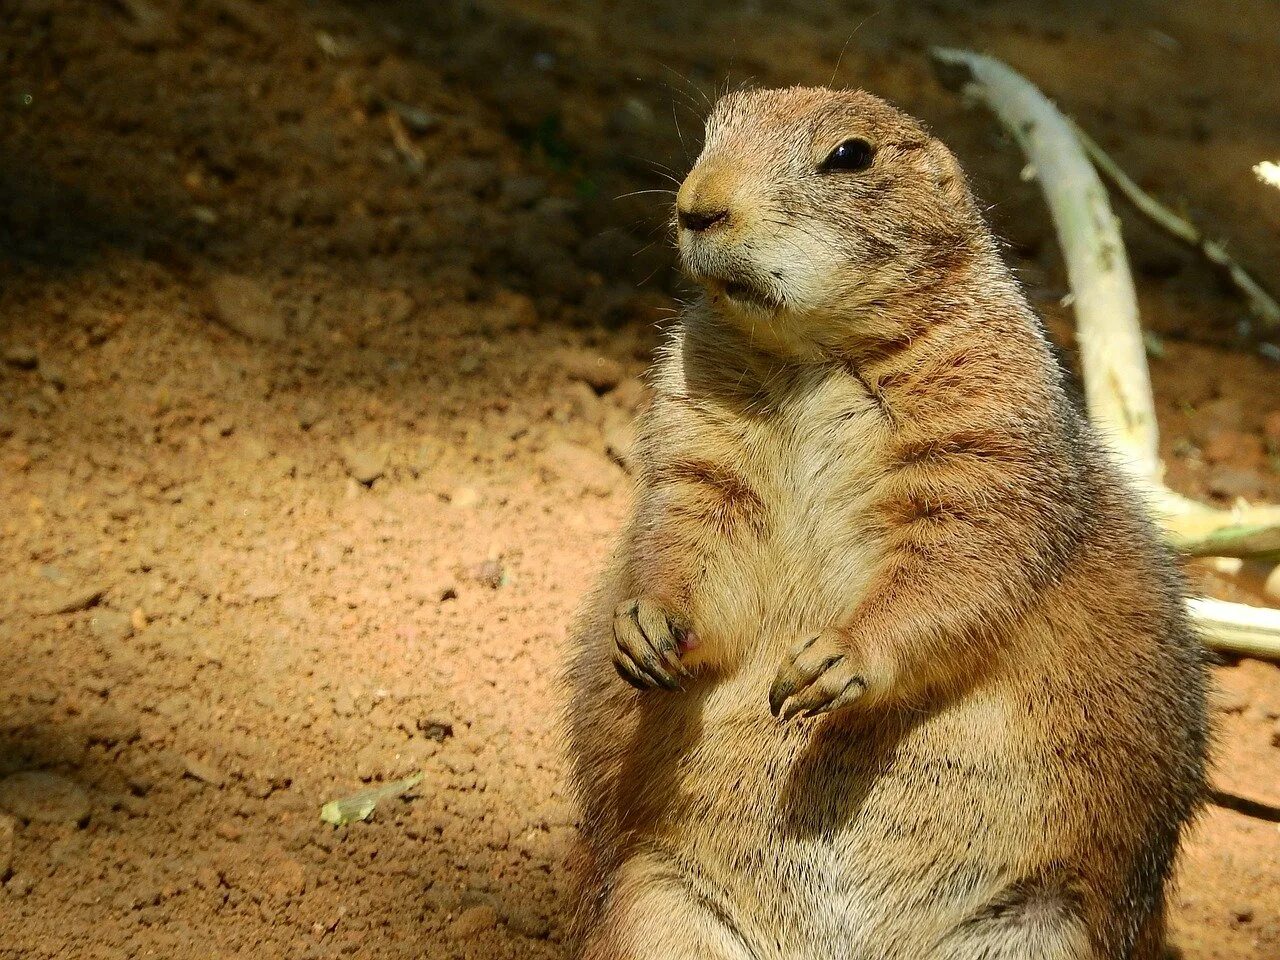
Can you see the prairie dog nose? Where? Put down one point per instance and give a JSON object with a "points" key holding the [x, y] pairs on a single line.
{"points": [[706, 197], [699, 220]]}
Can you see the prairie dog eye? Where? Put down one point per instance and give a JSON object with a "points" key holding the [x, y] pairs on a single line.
{"points": [[855, 154]]}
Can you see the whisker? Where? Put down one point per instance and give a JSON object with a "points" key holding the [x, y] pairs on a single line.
{"points": [[688, 83], [637, 193]]}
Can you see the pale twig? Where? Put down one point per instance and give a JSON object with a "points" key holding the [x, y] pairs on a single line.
{"points": [[1268, 172], [1237, 627]]}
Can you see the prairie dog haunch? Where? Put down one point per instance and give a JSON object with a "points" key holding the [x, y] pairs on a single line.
{"points": [[907, 674]]}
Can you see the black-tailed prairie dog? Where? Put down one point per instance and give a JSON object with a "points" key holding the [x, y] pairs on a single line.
{"points": [[908, 675]]}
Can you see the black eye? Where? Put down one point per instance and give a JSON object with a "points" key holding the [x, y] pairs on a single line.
{"points": [[855, 154]]}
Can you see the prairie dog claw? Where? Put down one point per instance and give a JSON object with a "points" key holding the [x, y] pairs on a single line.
{"points": [[647, 646]]}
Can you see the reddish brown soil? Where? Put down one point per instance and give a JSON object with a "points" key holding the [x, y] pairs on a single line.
{"points": [[272, 633]]}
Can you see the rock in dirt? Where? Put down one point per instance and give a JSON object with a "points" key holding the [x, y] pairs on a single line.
{"points": [[433, 590], [360, 806], [111, 626], [310, 412], [73, 599], [366, 464], [53, 375], [243, 305], [44, 797], [8, 827], [21, 355], [473, 920], [583, 468], [599, 372], [529, 922], [464, 497], [204, 772]]}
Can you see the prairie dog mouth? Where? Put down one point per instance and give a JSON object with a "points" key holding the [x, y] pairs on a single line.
{"points": [[727, 279], [743, 291]]}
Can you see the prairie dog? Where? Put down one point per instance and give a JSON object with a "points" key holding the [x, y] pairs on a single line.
{"points": [[907, 671]]}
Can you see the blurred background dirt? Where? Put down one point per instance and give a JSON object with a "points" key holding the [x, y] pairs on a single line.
{"points": [[321, 328]]}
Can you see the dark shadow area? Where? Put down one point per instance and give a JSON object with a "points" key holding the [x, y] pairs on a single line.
{"points": [[52, 226]]}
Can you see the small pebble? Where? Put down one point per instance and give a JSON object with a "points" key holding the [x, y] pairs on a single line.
{"points": [[21, 355], [474, 920], [530, 923], [366, 464], [310, 412], [491, 574], [243, 305], [464, 497], [435, 729], [433, 590], [73, 599], [202, 771], [344, 704], [52, 375], [111, 626], [19, 885]]}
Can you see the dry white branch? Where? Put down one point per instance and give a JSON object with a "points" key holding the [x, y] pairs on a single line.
{"points": [[1117, 382], [1237, 627], [1261, 303], [1268, 173]]}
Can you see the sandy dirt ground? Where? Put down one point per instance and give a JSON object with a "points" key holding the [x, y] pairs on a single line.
{"points": [[322, 327]]}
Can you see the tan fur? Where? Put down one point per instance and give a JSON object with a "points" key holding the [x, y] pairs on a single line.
{"points": [[864, 493]]}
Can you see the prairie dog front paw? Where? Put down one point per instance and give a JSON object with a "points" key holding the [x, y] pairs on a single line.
{"points": [[817, 676], [647, 645]]}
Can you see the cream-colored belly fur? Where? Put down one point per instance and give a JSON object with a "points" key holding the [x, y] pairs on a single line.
{"points": [[815, 473]]}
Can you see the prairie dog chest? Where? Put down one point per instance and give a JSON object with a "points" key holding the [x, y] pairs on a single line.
{"points": [[774, 504]]}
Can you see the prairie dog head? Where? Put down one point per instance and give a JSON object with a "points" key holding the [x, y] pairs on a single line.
{"points": [[810, 207]]}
